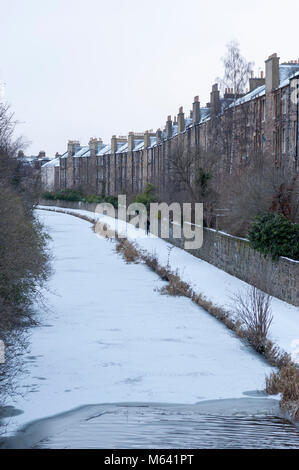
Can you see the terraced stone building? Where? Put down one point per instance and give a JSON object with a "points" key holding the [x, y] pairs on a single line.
{"points": [[264, 120]]}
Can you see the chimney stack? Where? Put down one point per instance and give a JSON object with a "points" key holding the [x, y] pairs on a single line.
{"points": [[94, 145], [181, 120], [272, 73], [113, 144], [215, 100], [255, 82], [159, 136], [196, 110], [147, 139], [169, 128], [131, 141], [42, 154], [72, 147], [115, 141]]}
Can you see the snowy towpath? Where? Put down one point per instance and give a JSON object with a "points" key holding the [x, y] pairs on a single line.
{"points": [[110, 337]]}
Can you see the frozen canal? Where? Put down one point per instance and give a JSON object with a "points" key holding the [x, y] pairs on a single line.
{"points": [[108, 337]]}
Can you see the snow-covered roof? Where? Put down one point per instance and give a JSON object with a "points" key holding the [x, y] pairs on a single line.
{"points": [[286, 71], [105, 149], [29, 159], [120, 144], [65, 155], [256, 93], [287, 80], [174, 130], [204, 113], [123, 148], [153, 141], [81, 152], [53, 163], [139, 145]]}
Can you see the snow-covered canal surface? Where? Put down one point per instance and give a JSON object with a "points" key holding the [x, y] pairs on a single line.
{"points": [[109, 337]]}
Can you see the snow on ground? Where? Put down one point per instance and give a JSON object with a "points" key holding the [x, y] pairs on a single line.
{"points": [[213, 283], [110, 337]]}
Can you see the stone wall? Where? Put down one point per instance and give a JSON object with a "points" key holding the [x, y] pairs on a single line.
{"points": [[234, 256]]}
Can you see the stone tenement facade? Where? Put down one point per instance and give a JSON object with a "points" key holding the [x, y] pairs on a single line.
{"points": [[264, 120]]}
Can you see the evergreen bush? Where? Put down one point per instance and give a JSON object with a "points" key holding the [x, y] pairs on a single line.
{"points": [[272, 234]]}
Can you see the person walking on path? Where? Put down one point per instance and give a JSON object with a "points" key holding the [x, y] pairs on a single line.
{"points": [[148, 226]]}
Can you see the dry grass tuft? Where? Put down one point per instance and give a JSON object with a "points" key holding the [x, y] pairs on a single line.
{"points": [[176, 287], [286, 382], [128, 251]]}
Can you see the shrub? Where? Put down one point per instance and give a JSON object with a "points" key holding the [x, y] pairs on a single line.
{"points": [[93, 199], [23, 252], [274, 235], [111, 200], [72, 195], [148, 196], [253, 309], [49, 196]]}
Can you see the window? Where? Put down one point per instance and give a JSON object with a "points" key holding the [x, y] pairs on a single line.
{"points": [[263, 110], [284, 103], [276, 103], [284, 141]]}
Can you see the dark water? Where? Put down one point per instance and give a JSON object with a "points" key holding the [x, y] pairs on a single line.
{"points": [[159, 427]]}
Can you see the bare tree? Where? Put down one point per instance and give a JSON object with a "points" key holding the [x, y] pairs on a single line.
{"points": [[195, 177], [236, 75], [253, 309], [258, 187]]}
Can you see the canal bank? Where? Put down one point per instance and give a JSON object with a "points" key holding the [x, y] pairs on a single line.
{"points": [[110, 337]]}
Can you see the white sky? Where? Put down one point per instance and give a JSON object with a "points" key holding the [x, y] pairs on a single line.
{"points": [[80, 68]]}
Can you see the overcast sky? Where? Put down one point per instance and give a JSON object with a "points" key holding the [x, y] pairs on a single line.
{"points": [[79, 68]]}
